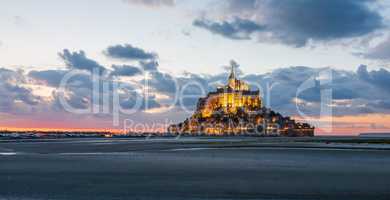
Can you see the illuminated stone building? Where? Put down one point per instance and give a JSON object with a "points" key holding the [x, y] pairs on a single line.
{"points": [[230, 98], [234, 109]]}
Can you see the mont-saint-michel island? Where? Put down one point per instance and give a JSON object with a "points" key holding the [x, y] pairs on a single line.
{"points": [[235, 109]]}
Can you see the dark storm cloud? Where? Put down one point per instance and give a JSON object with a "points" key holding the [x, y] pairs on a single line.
{"points": [[125, 70], [297, 22], [78, 60], [129, 52], [151, 3], [237, 29]]}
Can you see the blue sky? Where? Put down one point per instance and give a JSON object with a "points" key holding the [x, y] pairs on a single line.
{"points": [[34, 31], [183, 40]]}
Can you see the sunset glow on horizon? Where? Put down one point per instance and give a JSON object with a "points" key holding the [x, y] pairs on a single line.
{"points": [[143, 65]]}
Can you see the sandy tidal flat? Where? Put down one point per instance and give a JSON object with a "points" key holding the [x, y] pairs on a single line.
{"points": [[192, 168]]}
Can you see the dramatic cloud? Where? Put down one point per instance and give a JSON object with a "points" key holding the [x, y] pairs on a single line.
{"points": [[351, 93], [162, 82], [319, 20], [129, 52], [50, 77], [143, 104], [78, 60], [152, 3], [149, 66], [53, 78], [288, 90], [297, 22], [380, 78], [237, 29], [14, 98], [379, 52], [80, 88], [125, 70], [358, 92]]}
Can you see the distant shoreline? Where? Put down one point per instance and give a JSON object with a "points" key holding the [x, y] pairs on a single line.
{"points": [[331, 142]]}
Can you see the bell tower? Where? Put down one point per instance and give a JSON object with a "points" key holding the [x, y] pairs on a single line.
{"points": [[232, 78]]}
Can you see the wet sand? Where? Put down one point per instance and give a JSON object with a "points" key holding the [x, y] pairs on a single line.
{"points": [[193, 168]]}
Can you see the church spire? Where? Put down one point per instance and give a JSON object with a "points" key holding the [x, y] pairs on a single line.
{"points": [[232, 72]]}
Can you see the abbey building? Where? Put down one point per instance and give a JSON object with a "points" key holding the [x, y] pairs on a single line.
{"points": [[234, 109]]}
